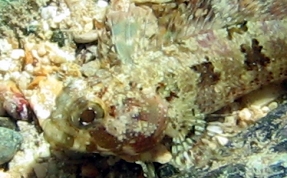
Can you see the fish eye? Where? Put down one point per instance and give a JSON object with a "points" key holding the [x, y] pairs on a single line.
{"points": [[88, 116], [86, 113], [91, 114]]}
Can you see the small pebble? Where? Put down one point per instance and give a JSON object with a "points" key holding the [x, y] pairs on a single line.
{"points": [[9, 145], [40, 170], [214, 129], [166, 170], [221, 140], [89, 69], [16, 54], [245, 114]]}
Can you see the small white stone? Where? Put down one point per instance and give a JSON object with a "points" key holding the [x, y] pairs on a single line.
{"points": [[34, 23], [221, 140], [5, 46], [40, 110], [45, 26], [89, 69], [272, 105], [41, 50], [265, 109], [5, 65], [29, 68], [48, 12], [86, 37], [58, 55], [63, 15], [214, 129], [44, 150], [102, 3], [15, 75], [245, 114], [17, 54]]}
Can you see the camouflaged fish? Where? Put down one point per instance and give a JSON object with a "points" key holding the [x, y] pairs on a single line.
{"points": [[162, 68]]}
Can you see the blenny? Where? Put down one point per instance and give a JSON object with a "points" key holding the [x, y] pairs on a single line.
{"points": [[162, 68]]}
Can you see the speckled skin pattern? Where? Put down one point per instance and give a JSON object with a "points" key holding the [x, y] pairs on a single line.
{"points": [[162, 68]]}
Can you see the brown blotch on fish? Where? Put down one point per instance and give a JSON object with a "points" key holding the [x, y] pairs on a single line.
{"points": [[112, 111], [161, 88], [101, 138], [208, 75], [255, 59], [171, 96]]}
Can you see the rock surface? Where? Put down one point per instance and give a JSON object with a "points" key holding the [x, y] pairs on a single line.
{"points": [[10, 142], [259, 151]]}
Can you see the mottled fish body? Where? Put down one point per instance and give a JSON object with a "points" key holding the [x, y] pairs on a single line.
{"points": [[167, 69]]}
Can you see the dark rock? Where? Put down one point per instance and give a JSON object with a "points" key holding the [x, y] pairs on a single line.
{"points": [[10, 142], [231, 171], [265, 141], [165, 171], [7, 123]]}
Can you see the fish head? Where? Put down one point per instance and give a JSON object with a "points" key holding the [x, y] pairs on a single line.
{"points": [[110, 123]]}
